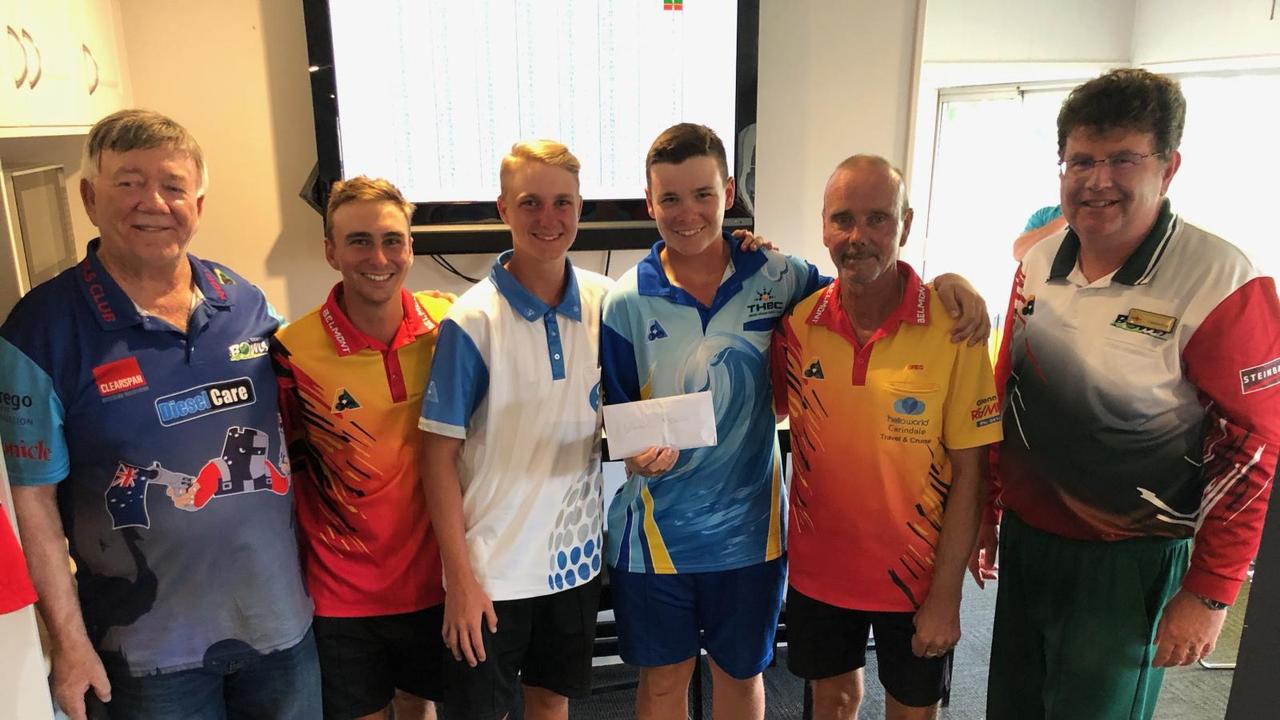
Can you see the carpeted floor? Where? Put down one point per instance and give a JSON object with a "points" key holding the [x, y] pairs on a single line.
{"points": [[1192, 693]]}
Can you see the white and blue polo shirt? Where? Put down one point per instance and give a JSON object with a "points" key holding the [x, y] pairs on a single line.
{"points": [[519, 382], [721, 507], [126, 414]]}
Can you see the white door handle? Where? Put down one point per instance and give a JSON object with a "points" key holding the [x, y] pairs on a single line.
{"points": [[97, 74], [18, 80], [35, 49]]}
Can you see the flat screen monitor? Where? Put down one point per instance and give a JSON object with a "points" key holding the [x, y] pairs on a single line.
{"points": [[431, 94]]}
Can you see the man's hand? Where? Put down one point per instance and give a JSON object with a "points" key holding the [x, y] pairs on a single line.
{"points": [[752, 242], [465, 605], [964, 304], [654, 461], [937, 627], [184, 499], [76, 669], [1187, 632], [982, 566]]}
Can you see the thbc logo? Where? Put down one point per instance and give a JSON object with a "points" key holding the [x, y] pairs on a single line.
{"points": [[764, 303], [39, 452]]}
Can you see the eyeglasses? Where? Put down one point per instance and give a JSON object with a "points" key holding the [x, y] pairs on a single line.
{"points": [[1119, 164]]}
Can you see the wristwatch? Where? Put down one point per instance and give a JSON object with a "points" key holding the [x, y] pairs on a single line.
{"points": [[1211, 603]]}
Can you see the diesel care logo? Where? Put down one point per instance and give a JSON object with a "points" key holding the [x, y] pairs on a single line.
{"points": [[248, 349], [1260, 377], [197, 402]]}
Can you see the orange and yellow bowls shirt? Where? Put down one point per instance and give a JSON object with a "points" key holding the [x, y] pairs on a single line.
{"points": [[870, 429], [351, 412]]}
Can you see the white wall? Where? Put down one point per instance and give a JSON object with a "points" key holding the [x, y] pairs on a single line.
{"points": [[1029, 30], [835, 79], [1166, 31]]}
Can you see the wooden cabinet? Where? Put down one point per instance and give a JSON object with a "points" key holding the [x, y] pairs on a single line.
{"points": [[60, 68]]}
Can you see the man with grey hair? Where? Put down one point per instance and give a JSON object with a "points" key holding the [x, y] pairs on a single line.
{"points": [[151, 446], [867, 372]]}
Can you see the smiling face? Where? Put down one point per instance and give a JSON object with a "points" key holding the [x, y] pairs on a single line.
{"points": [[864, 224], [688, 201], [369, 243], [541, 204], [1111, 207], [145, 204]]}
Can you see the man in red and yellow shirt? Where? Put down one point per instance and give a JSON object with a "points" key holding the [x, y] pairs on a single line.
{"points": [[352, 373], [889, 419]]}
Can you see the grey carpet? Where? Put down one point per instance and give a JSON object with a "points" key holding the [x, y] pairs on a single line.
{"points": [[1191, 693]]}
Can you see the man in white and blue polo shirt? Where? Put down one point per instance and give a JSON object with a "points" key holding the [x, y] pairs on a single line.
{"points": [[511, 456], [153, 445]]}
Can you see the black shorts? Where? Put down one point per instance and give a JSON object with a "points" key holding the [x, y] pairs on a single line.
{"points": [[824, 641], [545, 641], [363, 660]]}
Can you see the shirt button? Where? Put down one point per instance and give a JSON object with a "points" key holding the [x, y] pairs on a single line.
{"points": [[556, 356]]}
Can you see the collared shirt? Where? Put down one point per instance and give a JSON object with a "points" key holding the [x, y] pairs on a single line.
{"points": [[720, 507], [1146, 402], [351, 406], [124, 413], [871, 425], [519, 382]]}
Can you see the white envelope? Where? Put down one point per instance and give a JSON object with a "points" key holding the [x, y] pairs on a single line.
{"points": [[679, 421]]}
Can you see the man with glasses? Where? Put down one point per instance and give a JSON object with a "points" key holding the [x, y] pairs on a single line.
{"points": [[1140, 374]]}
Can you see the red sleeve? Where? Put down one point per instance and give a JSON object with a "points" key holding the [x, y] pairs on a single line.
{"points": [[1233, 359], [16, 591], [1004, 367]]}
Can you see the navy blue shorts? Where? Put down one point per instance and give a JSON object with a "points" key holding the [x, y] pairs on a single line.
{"points": [[666, 619]]}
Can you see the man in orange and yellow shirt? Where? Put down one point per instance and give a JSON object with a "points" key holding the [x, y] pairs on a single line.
{"points": [[352, 373], [889, 420]]}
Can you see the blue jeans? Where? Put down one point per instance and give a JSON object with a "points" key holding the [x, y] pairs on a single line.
{"points": [[283, 685]]}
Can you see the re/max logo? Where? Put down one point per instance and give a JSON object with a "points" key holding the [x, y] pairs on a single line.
{"points": [[197, 402]]}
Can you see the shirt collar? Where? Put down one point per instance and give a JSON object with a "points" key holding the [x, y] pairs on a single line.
{"points": [[348, 339], [913, 309], [651, 278], [1139, 268], [524, 303], [113, 307]]}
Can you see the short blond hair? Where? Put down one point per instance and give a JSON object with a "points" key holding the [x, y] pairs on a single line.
{"points": [[137, 129], [548, 152], [364, 189]]}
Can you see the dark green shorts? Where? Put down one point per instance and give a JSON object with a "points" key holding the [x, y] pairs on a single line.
{"points": [[1075, 622]]}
